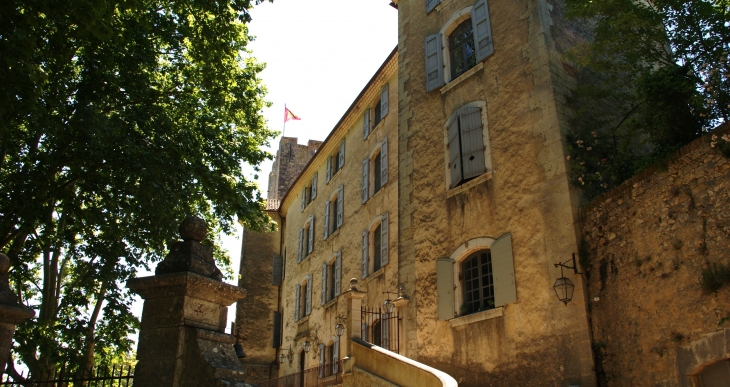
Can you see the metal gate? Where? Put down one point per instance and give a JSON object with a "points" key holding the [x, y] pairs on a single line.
{"points": [[380, 328]]}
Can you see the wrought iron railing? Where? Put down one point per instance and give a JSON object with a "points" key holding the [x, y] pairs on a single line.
{"points": [[116, 376], [380, 328], [329, 374]]}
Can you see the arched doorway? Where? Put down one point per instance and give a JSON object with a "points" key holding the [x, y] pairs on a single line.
{"points": [[302, 356], [377, 334]]}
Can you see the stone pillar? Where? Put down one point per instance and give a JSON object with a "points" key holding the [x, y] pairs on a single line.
{"points": [[11, 314], [354, 323], [181, 340]]}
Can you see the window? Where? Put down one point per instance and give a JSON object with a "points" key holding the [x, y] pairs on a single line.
{"points": [[375, 246], [477, 283], [303, 299], [461, 49], [328, 358], [334, 212], [467, 152], [379, 171], [309, 193], [331, 278], [476, 278], [336, 161], [306, 239], [464, 41], [379, 111], [377, 238]]}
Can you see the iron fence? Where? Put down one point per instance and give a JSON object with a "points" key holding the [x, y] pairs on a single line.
{"points": [[329, 374], [116, 376], [380, 328]]}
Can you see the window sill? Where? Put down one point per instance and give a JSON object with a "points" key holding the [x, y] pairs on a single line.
{"points": [[307, 257], [330, 302], [478, 316], [442, 5], [334, 175], [382, 188], [376, 274], [303, 319], [375, 128], [333, 233], [469, 184], [462, 77]]}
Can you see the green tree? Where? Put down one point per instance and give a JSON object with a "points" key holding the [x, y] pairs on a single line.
{"points": [[655, 76], [117, 120]]}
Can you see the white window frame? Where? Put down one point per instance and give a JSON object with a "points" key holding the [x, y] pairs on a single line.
{"points": [[456, 19], [482, 105]]}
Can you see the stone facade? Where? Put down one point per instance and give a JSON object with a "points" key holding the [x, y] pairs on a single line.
{"points": [[514, 203], [522, 86], [289, 162], [338, 255], [645, 246]]}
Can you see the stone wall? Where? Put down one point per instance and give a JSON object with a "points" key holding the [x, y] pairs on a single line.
{"points": [[318, 327], [645, 245], [291, 158], [255, 313], [535, 340]]}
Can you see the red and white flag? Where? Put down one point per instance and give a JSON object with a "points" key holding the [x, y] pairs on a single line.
{"points": [[288, 115]]}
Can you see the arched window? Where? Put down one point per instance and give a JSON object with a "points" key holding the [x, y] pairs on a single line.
{"points": [[461, 49], [375, 246]]}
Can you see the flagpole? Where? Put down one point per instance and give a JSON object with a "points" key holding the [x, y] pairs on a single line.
{"points": [[284, 130]]}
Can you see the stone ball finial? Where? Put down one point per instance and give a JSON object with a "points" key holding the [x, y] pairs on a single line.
{"points": [[193, 228], [4, 264]]}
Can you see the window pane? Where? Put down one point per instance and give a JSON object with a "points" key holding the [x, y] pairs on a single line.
{"points": [[461, 49], [477, 283], [376, 248]]}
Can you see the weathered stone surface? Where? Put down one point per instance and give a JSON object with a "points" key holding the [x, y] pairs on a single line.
{"points": [[190, 256], [193, 228], [650, 313], [181, 342]]}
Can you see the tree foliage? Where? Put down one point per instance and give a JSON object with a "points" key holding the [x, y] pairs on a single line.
{"points": [[654, 77], [117, 120]]}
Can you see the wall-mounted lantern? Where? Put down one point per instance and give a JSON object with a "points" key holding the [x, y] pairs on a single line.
{"points": [[282, 358], [339, 329], [237, 347], [307, 346], [563, 286]]}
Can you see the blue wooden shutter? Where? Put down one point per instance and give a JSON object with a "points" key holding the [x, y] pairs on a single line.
{"points": [[482, 31], [338, 272], [385, 336], [276, 270], [434, 63], [431, 4], [336, 356], [364, 331], [384, 240], [301, 239], [324, 283], [384, 101], [308, 305], [310, 246], [297, 301], [366, 123], [341, 161], [384, 162], [276, 339], [445, 288], [365, 179], [472, 142], [326, 219], [314, 186], [503, 271], [321, 360], [454, 151], [304, 198], [364, 254], [329, 169], [340, 205]]}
